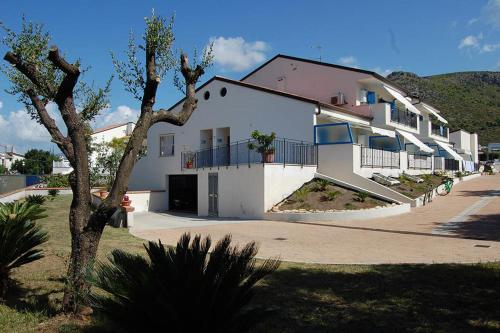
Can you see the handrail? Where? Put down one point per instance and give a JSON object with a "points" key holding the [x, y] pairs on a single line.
{"points": [[286, 152]]}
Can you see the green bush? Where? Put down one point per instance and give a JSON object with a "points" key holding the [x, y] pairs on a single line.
{"points": [[35, 199], [361, 196], [320, 185], [53, 192], [57, 180], [182, 288], [330, 195], [301, 194], [19, 238]]}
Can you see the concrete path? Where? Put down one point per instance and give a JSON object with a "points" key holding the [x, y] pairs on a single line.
{"points": [[463, 226]]}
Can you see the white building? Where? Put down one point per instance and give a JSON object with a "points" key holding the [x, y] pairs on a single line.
{"points": [[100, 135], [334, 121], [8, 158]]}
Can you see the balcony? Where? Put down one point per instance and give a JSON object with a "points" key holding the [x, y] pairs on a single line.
{"points": [[286, 152], [379, 158], [404, 117], [439, 130]]}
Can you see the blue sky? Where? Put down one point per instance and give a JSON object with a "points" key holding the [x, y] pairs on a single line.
{"points": [[425, 37]]}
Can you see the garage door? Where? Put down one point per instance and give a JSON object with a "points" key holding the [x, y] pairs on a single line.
{"points": [[183, 193]]}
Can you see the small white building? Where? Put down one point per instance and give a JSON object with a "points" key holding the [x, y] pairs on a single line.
{"points": [[100, 135], [8, 158]]}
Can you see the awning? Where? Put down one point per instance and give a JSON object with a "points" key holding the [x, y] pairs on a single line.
{"points": [[410, 137], [449, 150], [383, 132], [433, 111], [402, 99]]}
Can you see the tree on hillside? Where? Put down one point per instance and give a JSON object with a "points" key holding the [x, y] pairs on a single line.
{"points": [[40, 74], [36, 161]]}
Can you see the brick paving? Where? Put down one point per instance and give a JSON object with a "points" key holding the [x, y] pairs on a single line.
{"points": [[463, 226]]}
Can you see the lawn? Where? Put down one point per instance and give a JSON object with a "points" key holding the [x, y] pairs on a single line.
{"points": [[306, 298]]}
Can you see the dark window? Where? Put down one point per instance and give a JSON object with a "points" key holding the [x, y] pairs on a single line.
{"points": [[223, 92], [206, 95]]}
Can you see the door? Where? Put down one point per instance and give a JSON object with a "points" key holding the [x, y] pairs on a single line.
{"points": [[183, 193], [213, 194]]}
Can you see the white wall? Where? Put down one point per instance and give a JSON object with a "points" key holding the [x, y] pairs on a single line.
{"points": [[242, 110]]}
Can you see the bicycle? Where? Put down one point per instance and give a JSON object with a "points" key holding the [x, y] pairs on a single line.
{"points": [[448, 185]]}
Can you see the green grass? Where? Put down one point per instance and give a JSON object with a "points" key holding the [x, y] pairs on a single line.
{"points": [[306, 297]]}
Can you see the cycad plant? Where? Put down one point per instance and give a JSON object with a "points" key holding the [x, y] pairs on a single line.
{"points": [[183, 289], [19, 238]]}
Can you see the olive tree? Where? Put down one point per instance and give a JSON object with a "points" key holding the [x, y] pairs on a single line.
{"points": [[40, 74]]}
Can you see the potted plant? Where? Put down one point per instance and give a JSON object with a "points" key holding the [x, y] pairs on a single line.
{"points": [[264, 145], [126, 201], [189, 161]]}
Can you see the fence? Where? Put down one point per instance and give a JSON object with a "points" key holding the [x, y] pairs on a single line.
{"points": [[285, 152], [379, 158], [421, 162], [9, 183]]}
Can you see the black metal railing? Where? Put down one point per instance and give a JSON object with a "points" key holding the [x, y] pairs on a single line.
{"points": [[379, 158], [286, 152], [451, 164], [436, 130], [403, 117], [420, 162]]}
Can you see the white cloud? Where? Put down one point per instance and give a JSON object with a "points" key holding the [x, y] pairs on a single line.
{"points": [[472, 21], [22, 132], [470, 41], [491, 13], [1, 104], [349, 61], [121, 114], [490, 47], [236, 54]]}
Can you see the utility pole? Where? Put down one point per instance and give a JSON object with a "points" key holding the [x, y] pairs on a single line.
{"points": [[319, 48]]}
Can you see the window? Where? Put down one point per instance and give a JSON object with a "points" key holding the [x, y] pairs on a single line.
{"points": [[167, 145], [206, 95], [223, 92]]}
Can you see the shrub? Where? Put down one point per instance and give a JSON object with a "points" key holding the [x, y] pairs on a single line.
{"points": [[459, 175], [19, 238], [301, 194], [330, 195], [35, 199], [361, 196], [320, 185], [53, 192], [182, 288], [56, 180]]}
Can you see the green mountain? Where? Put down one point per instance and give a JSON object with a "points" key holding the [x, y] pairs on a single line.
{"points": [[468, 100]]}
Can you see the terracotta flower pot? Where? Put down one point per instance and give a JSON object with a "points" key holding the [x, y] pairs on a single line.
{"points": [[269, 157]]}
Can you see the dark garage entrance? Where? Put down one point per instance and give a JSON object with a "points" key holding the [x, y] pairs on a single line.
{"points": [[183, 193]]}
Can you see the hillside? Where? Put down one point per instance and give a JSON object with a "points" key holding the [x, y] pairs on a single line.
{"points": [[469, 100]]}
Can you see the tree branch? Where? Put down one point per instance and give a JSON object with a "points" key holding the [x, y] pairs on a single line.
{"points": [[61, 63], [191, 77], [28, 69], [62, 142]]}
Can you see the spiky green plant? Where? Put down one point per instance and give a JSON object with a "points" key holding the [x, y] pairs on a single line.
{"points": [[36, 199], [301, 194], [53, 192], [330, 195], [361, 196], [182, 289], [320, 185], [19, 238]]}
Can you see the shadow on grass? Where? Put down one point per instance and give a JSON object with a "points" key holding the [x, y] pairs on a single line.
{"points": [[386, 298], [31, 300]]}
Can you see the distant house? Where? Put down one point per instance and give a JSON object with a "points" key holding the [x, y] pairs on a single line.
{"points": [[100, 135], [8, 158]]}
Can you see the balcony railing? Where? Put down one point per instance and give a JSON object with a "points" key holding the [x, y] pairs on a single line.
{"points": [[286, 152], [420, 162], [403, 117], [451, 164], [439, 130], [379, 158]]}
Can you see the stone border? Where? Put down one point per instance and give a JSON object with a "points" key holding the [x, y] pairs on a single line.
{"points": [[342, 215]]}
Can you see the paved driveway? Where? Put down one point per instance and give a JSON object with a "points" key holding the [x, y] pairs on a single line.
{"points": [[463, 226]]}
